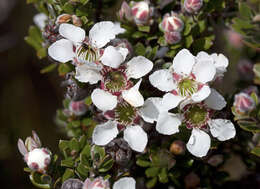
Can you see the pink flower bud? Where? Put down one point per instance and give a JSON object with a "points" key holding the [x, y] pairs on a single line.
{"points": [[97, 183], [192, 6], [63, 18], [234, 38], [245, 69], [172, 37], [125, 12], [171, 23], [140, 12], [78, 107], [243, 103], [216, 160], [38, 159]]}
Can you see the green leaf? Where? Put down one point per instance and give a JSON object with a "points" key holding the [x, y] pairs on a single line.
{"points": [[84, 2], [74, 145], [140, 49], [144, 28], [249, 126], [143, 163], [163, 177], [49, 68], [187, 29], [256, 151], [256, 70], [106, 166], [68, 8], [152, 172], [99, 152], [64, 69], [82, 171], [67, 163], [86, 150], [188, 41], [88, 101], [41, 53], [64, 144], [138, 34], [151, 183], [245, 11], [69, 173], [36, 180]]}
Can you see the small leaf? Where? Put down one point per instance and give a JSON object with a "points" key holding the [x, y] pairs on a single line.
{"points": [[256, 151], [163, 178], [69, 173], [151, 183], [249, 126], [49, 68], [106, 166], [245, 11], [140, 49], [67, 163], [152, 172], [144, 28], [143, 163]]}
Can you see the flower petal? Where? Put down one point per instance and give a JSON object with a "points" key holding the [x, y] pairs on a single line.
{"points": [[85, 74], [220, 60], [151, 109], [112, 57], [183, 62], [73, 33], [202, 94], [131, 133], [61, 51], [168, 123], [125, 183], [104, 133], [204, 71], [222, 129], [203, 56], [133, 96], [103, 100], [102, 32], [171, 101], [162, 80], [199, 143], [215, 100], [138, 67]]}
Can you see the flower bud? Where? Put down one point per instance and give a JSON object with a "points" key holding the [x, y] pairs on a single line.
{"points": [[172, 37], [140, 12], [125, 12], [216, 160], [76, 21], [177, 147], [38, 159], [245, 69], [63, 18], [192, 6], [78, 108], [192, 180], [171, 23], [234, 38], [243, 103], [97, 183]]}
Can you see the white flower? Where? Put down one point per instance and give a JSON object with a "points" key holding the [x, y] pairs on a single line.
{"points": [[40, 20], [115, 79], [186, 80], [76, 47], [125, 183], [219, 60], [196, 116]]}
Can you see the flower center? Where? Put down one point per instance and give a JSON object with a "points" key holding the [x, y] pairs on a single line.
{"points": [[187, 87], [196, 115], [125, 113], [115, 81], [87, 53]]}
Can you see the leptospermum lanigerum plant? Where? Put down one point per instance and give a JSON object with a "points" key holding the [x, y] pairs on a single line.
{"points": [[143, 106]]}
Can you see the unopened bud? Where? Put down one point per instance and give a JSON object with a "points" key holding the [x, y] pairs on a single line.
{"points": [[141, 12], [192, 6], [78, 108], [97, 183], [64, 18], [125, 11], [38, 159], [177, 147], [72, 184], [171, 23], [243, 103], [191, 181], [76, 21], [245, 69], [234, 38], [172, 37]]}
